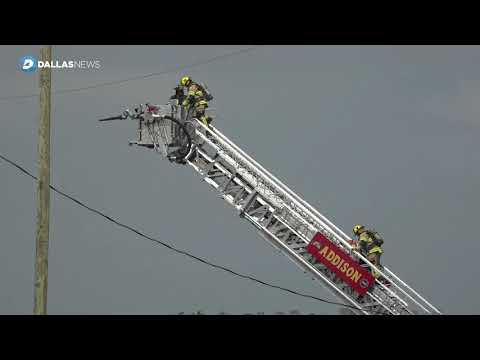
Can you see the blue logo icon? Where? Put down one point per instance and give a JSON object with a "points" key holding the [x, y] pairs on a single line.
{"points": [[28, 63]]}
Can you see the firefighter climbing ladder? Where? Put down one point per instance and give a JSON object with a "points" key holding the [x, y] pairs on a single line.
{"points": [[280, 216]]}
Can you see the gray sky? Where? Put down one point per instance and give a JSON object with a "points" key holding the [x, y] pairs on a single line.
{"points": [[382, 135]]}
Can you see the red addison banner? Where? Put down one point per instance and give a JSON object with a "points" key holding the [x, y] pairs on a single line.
{"points": [[340, 263]]}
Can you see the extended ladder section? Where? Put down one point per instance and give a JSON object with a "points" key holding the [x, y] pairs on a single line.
{"points": [[282, 217]]}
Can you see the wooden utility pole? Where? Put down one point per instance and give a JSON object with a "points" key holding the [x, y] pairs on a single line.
{"points": [[43, 209]]}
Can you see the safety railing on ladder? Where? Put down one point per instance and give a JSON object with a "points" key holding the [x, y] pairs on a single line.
{"points": [[400, 288], [281, 216]]}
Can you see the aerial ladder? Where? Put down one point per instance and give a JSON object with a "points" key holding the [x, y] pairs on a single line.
{"points": [[280, 216]]}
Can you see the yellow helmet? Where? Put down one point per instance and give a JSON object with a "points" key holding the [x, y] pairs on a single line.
{"points": [[185, 80], [357, 228]]}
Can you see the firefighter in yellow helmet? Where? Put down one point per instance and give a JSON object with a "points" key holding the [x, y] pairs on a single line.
{"points": [[369, 243], [196, 97]]}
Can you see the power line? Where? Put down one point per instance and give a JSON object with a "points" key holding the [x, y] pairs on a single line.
{"points": [[115, 82], [80, 203]]}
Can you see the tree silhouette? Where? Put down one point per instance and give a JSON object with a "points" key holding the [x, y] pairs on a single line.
{"points": [[341, 311]]}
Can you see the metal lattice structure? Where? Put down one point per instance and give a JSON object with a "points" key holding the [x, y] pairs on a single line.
{"points": [[280, 216]]}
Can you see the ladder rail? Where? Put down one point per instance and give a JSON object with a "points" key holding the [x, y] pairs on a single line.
{"points": [[278, 244], [305, 239], [290, 217], [298, 260], [314, 229], [315, 211], [306, 207]]}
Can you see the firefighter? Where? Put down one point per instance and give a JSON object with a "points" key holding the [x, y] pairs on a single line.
{"points": [[369, 244], [200, 108], [197, 97]]}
